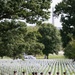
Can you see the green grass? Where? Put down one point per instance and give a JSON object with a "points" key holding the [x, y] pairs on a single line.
{"points": [[52, 56], [5, 57], [56, 56]]}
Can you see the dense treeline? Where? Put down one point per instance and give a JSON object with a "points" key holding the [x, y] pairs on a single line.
{"points": [[16, 38], [66, 9]]}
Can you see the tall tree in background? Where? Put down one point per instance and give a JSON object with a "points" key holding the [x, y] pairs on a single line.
{"points": [[12, 41], [50, 38], [29, 10], [70, 50], [66, 9], [33, 46]]}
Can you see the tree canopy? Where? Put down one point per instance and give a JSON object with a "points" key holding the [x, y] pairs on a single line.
{"points": [[12, 41], [50, 38], [66, 9], [33, 46], [29, 10], [69, 51]]}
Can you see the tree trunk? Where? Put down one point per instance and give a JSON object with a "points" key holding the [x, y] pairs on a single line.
{"points": [[2, 57], [47, 56]]}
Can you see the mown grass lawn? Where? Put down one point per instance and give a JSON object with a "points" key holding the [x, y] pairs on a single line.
{"points": [[52, 56], [56, 56]]}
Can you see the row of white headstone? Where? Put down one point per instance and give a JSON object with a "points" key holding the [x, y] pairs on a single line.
{"points": [[43, 66]]}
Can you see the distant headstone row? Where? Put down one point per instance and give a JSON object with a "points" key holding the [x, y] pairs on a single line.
{"points": [[35, 73]]}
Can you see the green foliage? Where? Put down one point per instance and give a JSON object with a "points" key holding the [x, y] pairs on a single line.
{"points": [[32, 28], [33, 46], [70, 50], [29, 10], [13, 37], [50, 38], [66, 9], [12, 41]]}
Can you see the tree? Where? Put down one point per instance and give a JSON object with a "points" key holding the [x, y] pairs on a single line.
{"points": [[69, 51], [66, 9], [50, 38], [12, 41], [29, 10], [33, 46]]}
